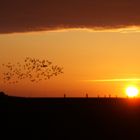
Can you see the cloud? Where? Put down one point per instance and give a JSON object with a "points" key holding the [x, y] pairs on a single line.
{"points": [[114, 80], [37, 15]]}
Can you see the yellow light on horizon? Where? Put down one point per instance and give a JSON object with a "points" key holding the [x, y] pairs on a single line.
{"points": [[132, 91]]}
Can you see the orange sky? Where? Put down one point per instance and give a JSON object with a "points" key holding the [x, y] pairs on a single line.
{"points": [[86, 57]]}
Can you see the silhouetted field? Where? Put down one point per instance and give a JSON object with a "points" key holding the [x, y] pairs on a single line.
{"points": [[72, 118]]}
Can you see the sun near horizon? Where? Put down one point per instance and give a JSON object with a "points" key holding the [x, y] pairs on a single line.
{"points": [[132, 91]]}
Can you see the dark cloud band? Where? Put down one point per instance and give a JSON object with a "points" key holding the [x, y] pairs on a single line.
{"points": [[36, 15]]}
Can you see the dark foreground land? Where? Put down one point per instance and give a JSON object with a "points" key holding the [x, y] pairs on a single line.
{"points": [[72, 118]]}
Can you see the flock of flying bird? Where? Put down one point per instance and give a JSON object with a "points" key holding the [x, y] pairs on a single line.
{"points": [[33, 69]]}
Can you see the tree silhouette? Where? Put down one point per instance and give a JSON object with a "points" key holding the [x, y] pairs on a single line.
{"points": [[33, 69]]}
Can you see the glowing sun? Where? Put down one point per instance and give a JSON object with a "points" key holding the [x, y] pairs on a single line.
{"points": [[132, 91]]}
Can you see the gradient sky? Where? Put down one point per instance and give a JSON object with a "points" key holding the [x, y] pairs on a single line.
{"points": [[96, 42], [86, 57]]}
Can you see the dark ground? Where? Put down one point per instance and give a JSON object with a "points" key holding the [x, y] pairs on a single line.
{"points": [[71, 118]]}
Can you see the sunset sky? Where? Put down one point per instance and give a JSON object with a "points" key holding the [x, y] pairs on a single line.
{"points": [[97, 43]]}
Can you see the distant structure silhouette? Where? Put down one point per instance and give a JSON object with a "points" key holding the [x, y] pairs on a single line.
{"points": [[2, 94], [33, 69], [86, 95], [64, 95]]}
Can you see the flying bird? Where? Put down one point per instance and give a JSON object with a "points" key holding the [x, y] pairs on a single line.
{"points": [[33, 69]]}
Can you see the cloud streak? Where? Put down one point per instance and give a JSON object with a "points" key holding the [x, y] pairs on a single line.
{"points": [[38, 15], [114, 80]]}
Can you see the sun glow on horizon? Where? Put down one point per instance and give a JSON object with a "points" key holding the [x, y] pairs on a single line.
{"points": [[132, 91]]}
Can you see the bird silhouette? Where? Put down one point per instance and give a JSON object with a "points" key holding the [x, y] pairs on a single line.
{"points": [[34, 70]]}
